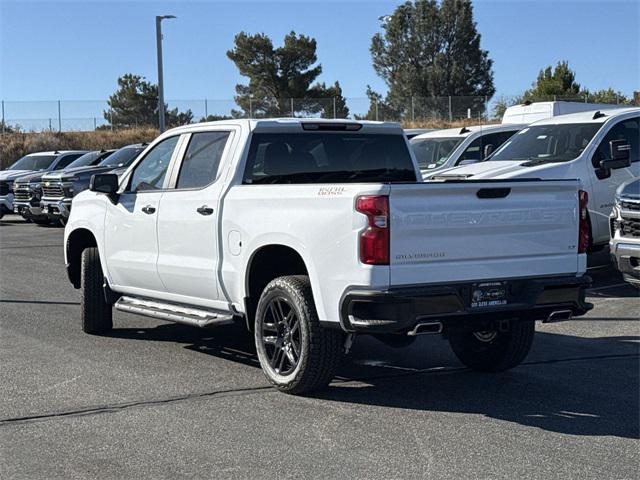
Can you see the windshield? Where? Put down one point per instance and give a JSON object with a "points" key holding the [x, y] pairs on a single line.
{"points": [[122, 157], [547, 143], [324, 157], [88, 159], [433, 152], [33, 162]]}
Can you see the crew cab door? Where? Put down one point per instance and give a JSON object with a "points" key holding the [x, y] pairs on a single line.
{"points": [[188, 218], [604, 184], [131, 241]]}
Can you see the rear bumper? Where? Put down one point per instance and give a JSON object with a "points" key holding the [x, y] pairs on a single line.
{"points": [[398, 310]]}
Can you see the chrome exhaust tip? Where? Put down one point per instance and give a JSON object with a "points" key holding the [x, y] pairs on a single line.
{"points": [[426, 328], [558, 316]]}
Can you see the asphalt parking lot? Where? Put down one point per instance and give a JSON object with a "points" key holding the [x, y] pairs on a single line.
{"points": [[158, 400]]}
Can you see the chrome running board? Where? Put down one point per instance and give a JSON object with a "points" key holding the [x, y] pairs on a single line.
{"points": [[172, 312]]}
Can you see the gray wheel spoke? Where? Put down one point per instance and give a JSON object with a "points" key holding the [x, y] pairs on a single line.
{"points": [[270, 340], [296, 348], [287, 319], [271, 327], [281, 316], [290, 356], [274, 314], [276, 356], [295, 326], [282, 357]]}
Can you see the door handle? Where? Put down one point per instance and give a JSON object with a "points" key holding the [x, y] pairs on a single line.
{"points": [[149, 209], [204, 210]]}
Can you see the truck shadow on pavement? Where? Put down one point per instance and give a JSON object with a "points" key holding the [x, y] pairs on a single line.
{"points": [[571, 385]]}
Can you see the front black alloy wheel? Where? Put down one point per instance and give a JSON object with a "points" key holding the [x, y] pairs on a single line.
{"points": [[296, 354]]}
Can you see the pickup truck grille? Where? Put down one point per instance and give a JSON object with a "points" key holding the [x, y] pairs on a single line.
{"points": [[4, 188], [630, 227], [22, 192], [634, 206], [52, 190]]}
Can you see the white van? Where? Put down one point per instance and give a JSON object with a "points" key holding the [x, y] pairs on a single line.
{"points": [[448, 148], [529, 112], [600, 148]]}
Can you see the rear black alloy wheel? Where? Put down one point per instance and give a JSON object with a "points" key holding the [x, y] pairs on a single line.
{"points": [[296, 354], [281, 336]]}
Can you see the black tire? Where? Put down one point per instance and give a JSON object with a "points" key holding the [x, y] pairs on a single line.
{"points": [[96, 312], [494, 351], [62, 221], [319, 350]]}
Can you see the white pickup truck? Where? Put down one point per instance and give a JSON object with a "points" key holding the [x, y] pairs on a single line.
{"points": [[601, 148], [312, 231]]}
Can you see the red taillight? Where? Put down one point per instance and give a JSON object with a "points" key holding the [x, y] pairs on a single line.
{"points": [[583, 235], [374, 240]]}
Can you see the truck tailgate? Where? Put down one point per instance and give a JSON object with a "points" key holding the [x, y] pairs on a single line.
{"points": [[459, 231]]}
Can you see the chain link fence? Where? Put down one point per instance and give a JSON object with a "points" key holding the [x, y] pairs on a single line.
{"points": [[89, 115]]}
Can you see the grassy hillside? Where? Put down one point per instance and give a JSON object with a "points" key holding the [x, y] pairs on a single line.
{"points": [[15, 145]]}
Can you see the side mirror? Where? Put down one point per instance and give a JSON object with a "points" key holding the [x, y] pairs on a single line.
{"points": [[107, 183], [620, 150], [488, 150]]}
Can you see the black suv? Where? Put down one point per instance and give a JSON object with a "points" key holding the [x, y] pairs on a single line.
{"points": [[27, 188], [59, 188]]}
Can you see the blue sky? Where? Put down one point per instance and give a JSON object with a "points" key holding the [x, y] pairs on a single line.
{"points": [[74, 50]]}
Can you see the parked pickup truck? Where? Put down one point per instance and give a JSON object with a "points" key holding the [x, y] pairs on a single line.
{"points": [[312, 231], [59, 187], [625, 231], [601, 148]]}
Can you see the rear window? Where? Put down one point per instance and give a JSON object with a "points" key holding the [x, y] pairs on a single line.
{"points": [[33, 162], [122, 157], [323, 157], [88, 159]]}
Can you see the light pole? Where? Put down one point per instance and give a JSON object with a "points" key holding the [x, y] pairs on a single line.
{"points": [[159, 19]]}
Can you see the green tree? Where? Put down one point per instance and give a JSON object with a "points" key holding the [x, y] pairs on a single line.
{"points": [[333, 104], [214, 118], [608, 95], [432, 49], [379, 109], [135, 103], [278, 75], [7, 128], [555, 83]]}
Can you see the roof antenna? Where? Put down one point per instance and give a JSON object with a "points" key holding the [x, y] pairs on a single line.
{"points": [[464, 130], [598, 114]]}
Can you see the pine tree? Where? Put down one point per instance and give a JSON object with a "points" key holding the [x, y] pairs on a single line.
{"points": [[135, 103], [280, 79], [430, 49]]}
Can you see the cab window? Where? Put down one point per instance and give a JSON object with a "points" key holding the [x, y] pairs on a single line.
{"points": [[149, 174], [476, 150], [202, 159]]}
